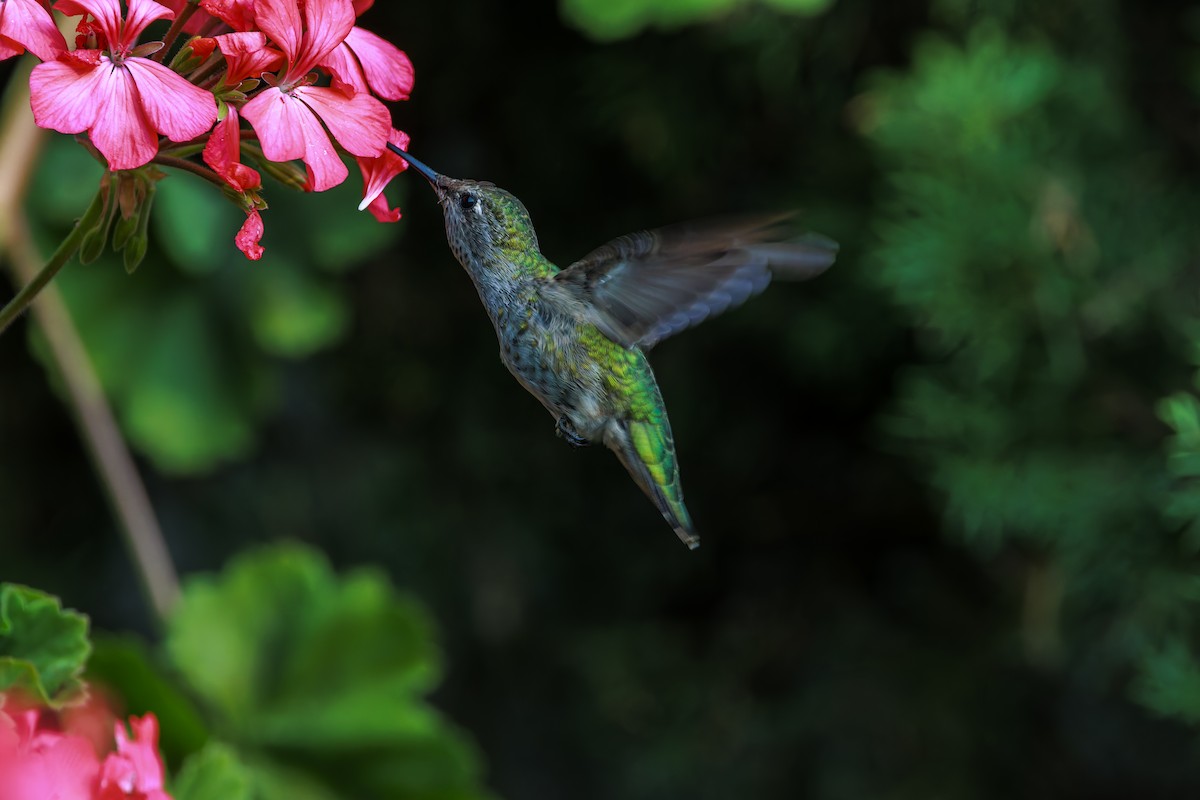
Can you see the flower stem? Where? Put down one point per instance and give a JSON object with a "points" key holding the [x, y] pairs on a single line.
{"points": [[190, 166], [173, 32], [61, 256]]}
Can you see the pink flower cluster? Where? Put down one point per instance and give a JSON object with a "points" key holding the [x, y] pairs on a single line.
{"points": [[40, 761], [301, 73]]}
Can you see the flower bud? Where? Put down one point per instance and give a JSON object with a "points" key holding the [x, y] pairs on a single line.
{"points": [[194, 53], [139, 240]]}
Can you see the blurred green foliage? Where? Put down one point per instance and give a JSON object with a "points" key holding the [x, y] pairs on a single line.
{"points": [[303, 683], [613, 19]]}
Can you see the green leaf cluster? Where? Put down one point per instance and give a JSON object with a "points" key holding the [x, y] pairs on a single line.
{"points": [[43, 647], [314, 685]]}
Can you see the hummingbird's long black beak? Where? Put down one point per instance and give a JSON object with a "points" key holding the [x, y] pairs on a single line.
{"points": [[429, 174]]}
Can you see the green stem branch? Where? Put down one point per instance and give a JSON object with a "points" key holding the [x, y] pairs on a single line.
{"points": [[173, 32], [61, 256]]}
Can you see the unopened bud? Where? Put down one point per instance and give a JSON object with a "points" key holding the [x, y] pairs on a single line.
{"points": [[286, 172], [194, 53], [94, 240], [139, 240]]}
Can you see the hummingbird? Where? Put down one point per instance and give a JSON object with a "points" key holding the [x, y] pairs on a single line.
{"points": [[576, 338]]}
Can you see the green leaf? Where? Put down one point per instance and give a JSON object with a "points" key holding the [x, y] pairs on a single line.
{"points": [[294, 315], [296, 660], [275, 782], [180, 413], [195, 223], [43, 648], [215, 773], [1169, 683]]}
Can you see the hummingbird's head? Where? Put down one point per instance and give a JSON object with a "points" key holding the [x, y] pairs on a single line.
{"points": [[483, 222]]}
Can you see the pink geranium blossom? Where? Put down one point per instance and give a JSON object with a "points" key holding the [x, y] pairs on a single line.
{"points": [[291, 116], [223, 155], [27, 25], [121, 100], [135, 771], [36, 763], [377, 173], [40, 761]]}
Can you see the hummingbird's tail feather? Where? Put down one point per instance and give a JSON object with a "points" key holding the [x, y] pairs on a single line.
{"points": [[648, 452]]}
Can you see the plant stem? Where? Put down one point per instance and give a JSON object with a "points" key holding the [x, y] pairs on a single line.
{"points": [[101, 434], [61, 256], [192, 167], [173, 32]]}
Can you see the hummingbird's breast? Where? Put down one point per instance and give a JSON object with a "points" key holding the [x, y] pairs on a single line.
{"points": [[547, 349]]}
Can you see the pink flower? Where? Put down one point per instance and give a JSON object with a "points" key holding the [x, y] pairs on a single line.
{"points": [[223, 154], [136, 769], [27, 24], [121, 100], [377, 173], [288, 116], [40, 762], [248, 237], [36, 764]]}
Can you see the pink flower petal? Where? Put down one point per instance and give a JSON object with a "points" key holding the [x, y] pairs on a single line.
{"points": [[362, 5], [288, 129], [248, 237], [63, 95], [272, 114], [347, 73], [44, 763], [28, 23], [377, 173], [389, 71], [176, 108], [280, 20], [106, 12], [121, 130], [327, 24], [64, 769], [247, 55], [9, 48], [222, 152], [142, 751], [141, 14], [379, 209], [361, 123], [237, 14]]}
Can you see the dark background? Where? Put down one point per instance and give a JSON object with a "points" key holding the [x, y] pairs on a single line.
{"points": [[943, 547]]}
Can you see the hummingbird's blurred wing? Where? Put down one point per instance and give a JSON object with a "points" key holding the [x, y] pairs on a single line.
{"points": [[646, 286]]}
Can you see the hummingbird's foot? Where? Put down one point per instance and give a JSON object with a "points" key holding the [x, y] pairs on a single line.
{"points": [[566, 430]]}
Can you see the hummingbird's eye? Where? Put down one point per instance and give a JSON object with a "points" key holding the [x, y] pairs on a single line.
{"points": [[467, 200]]}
